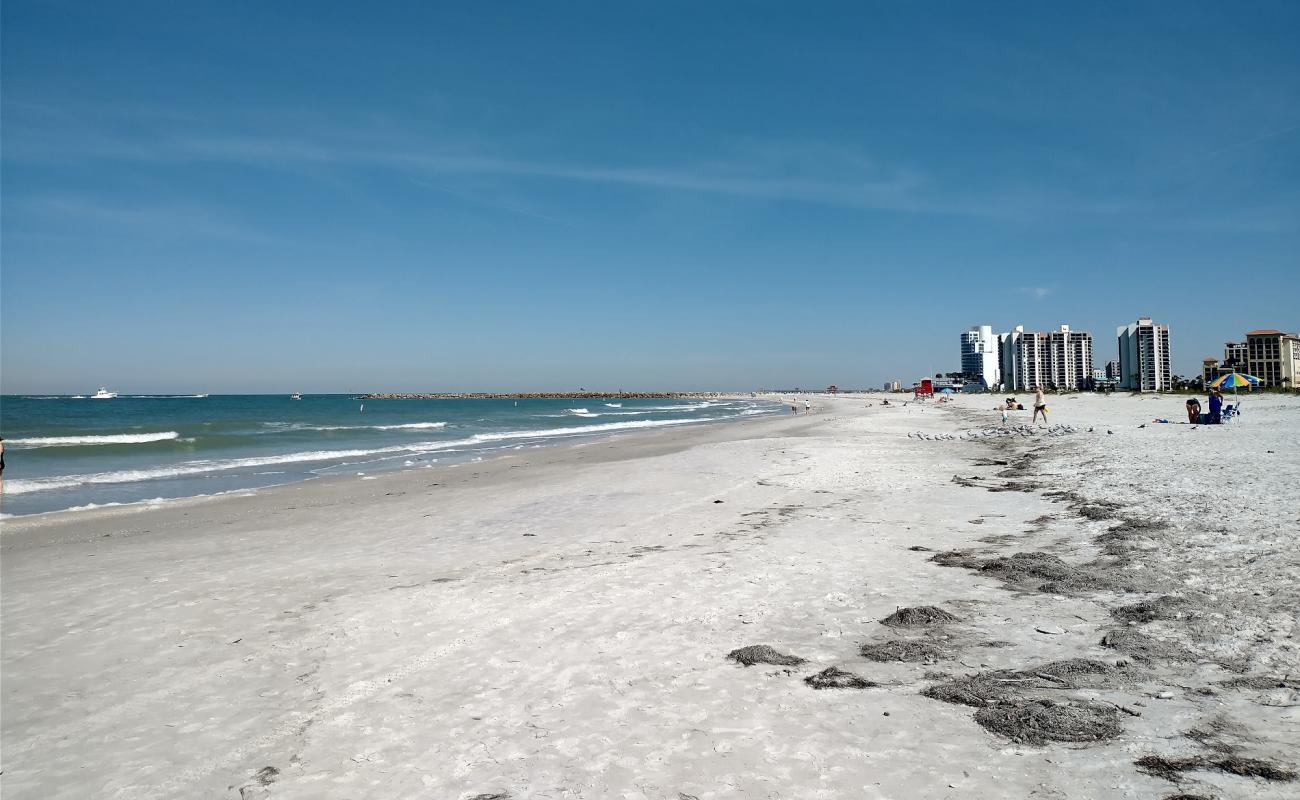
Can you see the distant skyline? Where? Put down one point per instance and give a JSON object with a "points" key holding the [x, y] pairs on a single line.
{"points": [[243, 197]]}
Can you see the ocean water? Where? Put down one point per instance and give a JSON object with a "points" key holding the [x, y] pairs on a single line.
{"points": [[63, 452]]}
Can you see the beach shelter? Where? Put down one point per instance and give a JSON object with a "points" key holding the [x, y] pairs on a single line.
{"points": [[1236, 380]]}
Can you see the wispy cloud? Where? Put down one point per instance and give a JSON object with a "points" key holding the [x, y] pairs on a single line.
{"points": [[860, 186], [494, 204], [148, 222], [794, 172], [1036, 292], [771, 171]]}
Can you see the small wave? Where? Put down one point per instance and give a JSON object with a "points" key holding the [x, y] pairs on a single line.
{"points": [[613, 405], [684, 407], [149, 503], [114, 438], [409, 425], [577, 411], [24, 486], [298, 426], [577, 429], [595, 414]]}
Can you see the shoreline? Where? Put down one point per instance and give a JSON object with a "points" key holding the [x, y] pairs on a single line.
{"points": [[636, 442], [382, 466], [557, 625]]}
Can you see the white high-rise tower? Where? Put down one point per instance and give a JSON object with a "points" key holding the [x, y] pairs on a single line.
{"points": [[1144, 356], [979, 356]]}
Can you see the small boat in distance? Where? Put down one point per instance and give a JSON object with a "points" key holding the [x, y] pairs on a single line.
{"points": [[295, 396], [103, 394]]}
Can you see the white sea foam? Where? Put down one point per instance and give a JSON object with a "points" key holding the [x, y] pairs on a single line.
{"points": [[411, 426], [613, 405], [23, 486], [201, 467], [296, 426], [579, 429], [684, 407], [591, 414], [153, 501], [577, 411], [113, 438]]}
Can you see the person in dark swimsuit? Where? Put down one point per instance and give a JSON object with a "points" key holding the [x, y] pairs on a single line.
{"points": [[1193, 411]]}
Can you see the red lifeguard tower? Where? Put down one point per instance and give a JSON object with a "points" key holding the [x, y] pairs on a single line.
{"points": [[923, 389]]}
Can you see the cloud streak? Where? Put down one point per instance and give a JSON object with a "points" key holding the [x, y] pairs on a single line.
{"points": [[775, 172]]}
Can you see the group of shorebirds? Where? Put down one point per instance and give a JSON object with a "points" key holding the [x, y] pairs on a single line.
{"points": [[1025, 431]]}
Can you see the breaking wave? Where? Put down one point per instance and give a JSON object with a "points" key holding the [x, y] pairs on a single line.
{"points": [[111, 438]]}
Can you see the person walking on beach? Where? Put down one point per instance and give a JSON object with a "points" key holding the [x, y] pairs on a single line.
{"points": [[1040, 405], [807, 406]]}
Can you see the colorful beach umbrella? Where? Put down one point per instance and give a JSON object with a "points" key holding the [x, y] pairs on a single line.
{"points": [[1234, 380]]}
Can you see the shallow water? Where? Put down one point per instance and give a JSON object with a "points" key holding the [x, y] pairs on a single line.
{"points": [[64, 452]]}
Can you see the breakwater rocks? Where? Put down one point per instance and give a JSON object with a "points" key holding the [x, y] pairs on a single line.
{"points": [[537, 396]]}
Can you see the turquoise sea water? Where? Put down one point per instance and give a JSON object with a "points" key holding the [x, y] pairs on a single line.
{"points": [[66, 452]]}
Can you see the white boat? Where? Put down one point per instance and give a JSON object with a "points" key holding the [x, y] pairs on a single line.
{"points": [[295, 396], [103, 394]]}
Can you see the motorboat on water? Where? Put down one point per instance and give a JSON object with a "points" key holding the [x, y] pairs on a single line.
{"points": [[103, 394], [295, 396]]}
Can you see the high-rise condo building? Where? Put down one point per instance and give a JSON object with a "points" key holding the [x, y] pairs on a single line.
{"points": [[1070, 363], [1144, 356], [1059, 359], [979, 356]]}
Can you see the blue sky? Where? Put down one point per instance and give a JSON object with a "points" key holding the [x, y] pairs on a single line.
{"points": [[237, 196]]}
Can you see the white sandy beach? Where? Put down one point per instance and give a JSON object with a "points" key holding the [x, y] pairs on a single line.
{"points": [[555, 623]]}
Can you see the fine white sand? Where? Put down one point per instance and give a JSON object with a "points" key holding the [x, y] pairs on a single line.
{"points": [[555, 623]]}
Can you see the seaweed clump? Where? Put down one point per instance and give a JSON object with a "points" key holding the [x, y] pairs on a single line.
{"points": [[919, 617], [1040, 721], [1163, 607], [979, 690], [1172, 768], [909, 650], [836, 678], [1143, 647], [763, 654]]}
